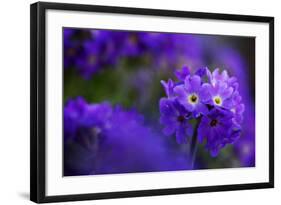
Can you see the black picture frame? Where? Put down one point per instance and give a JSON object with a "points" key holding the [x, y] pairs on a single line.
{"points": [[38, 103]]}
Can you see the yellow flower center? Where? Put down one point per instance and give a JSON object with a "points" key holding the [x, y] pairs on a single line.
{"points": [[217, 100]]}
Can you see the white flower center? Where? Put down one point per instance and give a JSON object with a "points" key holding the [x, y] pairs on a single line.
{"points": [[193, 98]]}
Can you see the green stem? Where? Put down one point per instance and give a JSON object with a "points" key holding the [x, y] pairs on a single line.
{"points": [[194, 144]]}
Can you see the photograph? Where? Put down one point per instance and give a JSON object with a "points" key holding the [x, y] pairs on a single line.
{"points": [[146, 101], [134, 102]]}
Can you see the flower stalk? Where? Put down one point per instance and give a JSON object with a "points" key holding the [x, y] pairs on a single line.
{"points": [[194, 144]]}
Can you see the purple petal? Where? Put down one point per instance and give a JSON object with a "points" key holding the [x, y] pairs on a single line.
{"points": [[201, 108], [168, 87], [224, 75], [205, 92], [222, 87], [209, 75], [240, 108], [166, 106], [193, 83], [227, 93], [227, 103], [214, 90], [181, 75], [201, 72], [180, 91]]}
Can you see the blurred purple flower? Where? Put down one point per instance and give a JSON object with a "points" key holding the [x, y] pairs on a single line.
{"points": [[104, 48], [245, 150], [71, 48], [101, 139], [79, 115]]}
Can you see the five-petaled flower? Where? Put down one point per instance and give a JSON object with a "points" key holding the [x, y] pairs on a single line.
{"points": [[218, 130], [192, 95], [175, 118]]}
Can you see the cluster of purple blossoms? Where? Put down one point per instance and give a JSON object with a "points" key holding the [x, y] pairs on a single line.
{"points": [[99, 137], [211, 99], [80, 118], [89, 51]]}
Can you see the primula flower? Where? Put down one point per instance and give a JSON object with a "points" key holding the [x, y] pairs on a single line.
{"points": [[218, 129], [220, 95], [175, 118], [224, 93], [192, 95]]}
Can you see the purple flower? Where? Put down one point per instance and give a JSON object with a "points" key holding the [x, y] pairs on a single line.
{"points": [[89, 62], [220, 95], [80, 116], [238, 108], [133, 45], [183, 73], [192, 95], [101, 51], [72, 48], [89, 51], [99, 138], [216, 77], [130, 136], [224, 93], [245, 149], [218, 130], [175, 118]]}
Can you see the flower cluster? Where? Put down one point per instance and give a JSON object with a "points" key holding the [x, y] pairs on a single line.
{"points": [[211, 99], [89, 51], [80, 118], [99, 138]]}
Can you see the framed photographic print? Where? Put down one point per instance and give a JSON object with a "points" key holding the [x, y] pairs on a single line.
{"points": [[129, 102]]}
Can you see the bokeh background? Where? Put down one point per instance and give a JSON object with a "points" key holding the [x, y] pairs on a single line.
{"points": [[124, 69]]}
